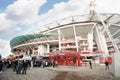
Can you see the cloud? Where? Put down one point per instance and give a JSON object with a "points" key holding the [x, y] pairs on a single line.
{"points": [[63, 10], [21, 12], [7, 25], [24, 11], [108, 6], [4, 48]]}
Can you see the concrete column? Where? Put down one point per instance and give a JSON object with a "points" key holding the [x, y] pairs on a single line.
{"points": [[28, 52], [76, 42], [59, 37], [48, 48], [100, 40], [115, 67], [90, 41]]}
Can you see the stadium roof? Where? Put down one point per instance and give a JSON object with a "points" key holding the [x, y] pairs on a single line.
{"points": [[112, 18], [23, 38]]}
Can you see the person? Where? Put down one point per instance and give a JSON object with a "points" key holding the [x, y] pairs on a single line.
{"points": [[106, 65], [40, 63], [1, 66], [19, 67], [43, 63], [53, 63], [15, 62], [10, 64], [90, 63], [46, 63], [31, 64], [56, 63], [25, 65]]}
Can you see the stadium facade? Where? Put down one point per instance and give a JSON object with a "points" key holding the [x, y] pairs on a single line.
{"points": [[84, 34]]}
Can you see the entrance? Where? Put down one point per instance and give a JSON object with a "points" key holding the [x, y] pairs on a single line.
{"points": [[68, 58]]}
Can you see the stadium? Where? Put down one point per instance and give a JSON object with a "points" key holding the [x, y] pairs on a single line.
{"points": [[73, 40], [92, 36]]}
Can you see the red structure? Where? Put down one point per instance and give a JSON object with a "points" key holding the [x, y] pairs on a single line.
{"points": [[78, 59], [66, 57], [10, 58], [110, 60]]}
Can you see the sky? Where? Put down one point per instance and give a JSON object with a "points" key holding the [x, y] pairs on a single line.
{"points": [[18, 17]]}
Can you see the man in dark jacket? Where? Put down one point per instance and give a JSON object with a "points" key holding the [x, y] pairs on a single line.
{"points": [[19, 67], [25, 65], [1, 66], [90, 63], [106, 65]]}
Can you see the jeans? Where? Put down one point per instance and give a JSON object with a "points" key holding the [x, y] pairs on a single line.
{"points": [[24, 70]]}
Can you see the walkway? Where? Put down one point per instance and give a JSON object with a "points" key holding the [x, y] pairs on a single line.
{"points": [[61, 73]]}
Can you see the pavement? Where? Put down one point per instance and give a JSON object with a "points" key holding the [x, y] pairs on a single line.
{"points": [[98, 72]]}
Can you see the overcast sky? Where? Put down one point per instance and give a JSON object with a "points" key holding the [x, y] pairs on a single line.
{"points": [[18, 17]]}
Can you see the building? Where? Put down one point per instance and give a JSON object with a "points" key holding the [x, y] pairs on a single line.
{"points": [[84, 34]]}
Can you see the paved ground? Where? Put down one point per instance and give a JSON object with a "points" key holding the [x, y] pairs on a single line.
{"points": [[61, 73]]}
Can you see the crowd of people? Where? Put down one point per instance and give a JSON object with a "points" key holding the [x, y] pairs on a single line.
{"points": [[17, 65], [21, 66]]}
